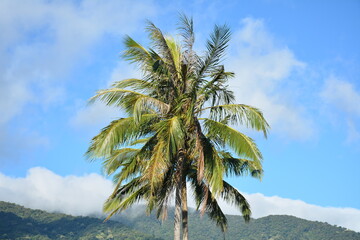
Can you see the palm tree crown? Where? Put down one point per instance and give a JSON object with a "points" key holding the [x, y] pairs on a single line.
{"points": [[178, 129]]}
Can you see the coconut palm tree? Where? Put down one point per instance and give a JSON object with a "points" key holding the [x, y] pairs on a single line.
{"points": [[166, 141]]}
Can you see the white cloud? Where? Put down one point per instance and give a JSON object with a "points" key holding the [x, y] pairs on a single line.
{"points": [[13, 97], [342, 95], [42, 41], [342, 100], [263, 206], [84, 195], [262, 67], [43, 189]]}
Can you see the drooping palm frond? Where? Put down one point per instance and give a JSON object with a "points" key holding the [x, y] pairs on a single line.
{"points": [[136, 164], [119, 132], [207, 201], [130, 169], [157, 164], [233, 196], [139, 141], [240, 114], [134, 84], [213, 167], [240, 166], [125, 196], [119, 158], [137, 54], [164, 193], [216, 214], [126, 99], [241, 144], [170, 139]]}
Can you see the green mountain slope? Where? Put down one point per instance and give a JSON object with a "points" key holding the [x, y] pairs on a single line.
{"points": [[278, 227], [17, 222]]}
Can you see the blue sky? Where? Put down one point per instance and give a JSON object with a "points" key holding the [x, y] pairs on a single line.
{"points": [[298, 61]]}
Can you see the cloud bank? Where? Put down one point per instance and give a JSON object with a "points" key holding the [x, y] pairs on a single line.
{"points": [[41, 44], [262, 67], [84, 195], [264, 205], [54, 36], [43, 189]]}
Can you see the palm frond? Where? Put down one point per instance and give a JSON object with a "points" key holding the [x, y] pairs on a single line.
{"points": [[157, 164], [120, 157], [240, 166], [127, 98], [240, 114], [164, 193], [216, 47], [135, 84], [241, 144], [203, 196], [135, 53], [233, 196], [124, 197], [171, 131], [175, 51], [131, 169], [119, 132], [139, 141], [186, 27], [190, 58], [215, 91], [160, 43]]}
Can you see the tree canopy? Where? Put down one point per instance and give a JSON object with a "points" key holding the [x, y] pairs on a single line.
{"points": [[179, 128]]}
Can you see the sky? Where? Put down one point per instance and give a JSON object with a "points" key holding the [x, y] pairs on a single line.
{"points": [[298, 61]]}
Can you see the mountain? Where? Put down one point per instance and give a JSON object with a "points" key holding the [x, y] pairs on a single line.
{"points": [[276, 227], [17, 223]]}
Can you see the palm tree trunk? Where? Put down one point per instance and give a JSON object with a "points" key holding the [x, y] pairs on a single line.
{"points": [[184, 209], [178, 190], [177, 214]]}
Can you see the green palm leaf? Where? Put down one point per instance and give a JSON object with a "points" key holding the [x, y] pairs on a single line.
{"points": [[119, 158], [241, 144], [216, 46], [127, 98], [240, 114], [120, 132], [233, 196]]}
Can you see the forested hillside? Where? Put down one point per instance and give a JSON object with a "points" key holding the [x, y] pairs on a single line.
{"points": [[277, 227], [17, 223]]}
